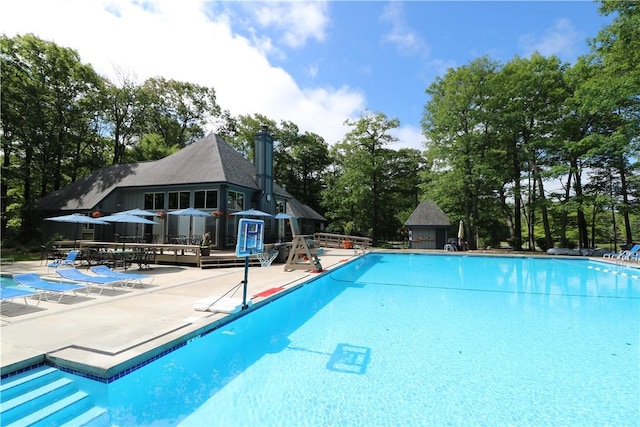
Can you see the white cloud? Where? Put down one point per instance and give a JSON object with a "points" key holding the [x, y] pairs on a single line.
{"points": [[408, 137], [296, 21], [401, 35], [562, 40], [183, 41]]}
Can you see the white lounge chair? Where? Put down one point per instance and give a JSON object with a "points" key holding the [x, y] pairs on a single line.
{"points": [[45, 287], [130, 278]]}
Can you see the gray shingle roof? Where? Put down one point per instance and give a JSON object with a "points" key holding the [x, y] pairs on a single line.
{"points": [[208, 160], [428, 213]]}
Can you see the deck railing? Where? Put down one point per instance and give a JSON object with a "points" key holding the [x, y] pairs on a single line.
{"points": [[330, 240]]}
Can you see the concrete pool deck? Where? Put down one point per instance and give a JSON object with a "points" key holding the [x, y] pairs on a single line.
{"points": [[105, 335]]}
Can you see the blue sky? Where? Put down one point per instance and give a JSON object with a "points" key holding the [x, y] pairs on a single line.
{"points": [[313, 63]]}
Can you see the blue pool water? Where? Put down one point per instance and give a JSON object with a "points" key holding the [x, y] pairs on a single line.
{"points": [[410, 339], [7, 282]]}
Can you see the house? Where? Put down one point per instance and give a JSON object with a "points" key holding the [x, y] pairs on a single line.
{"points": [[208, 175], [428, 227]]}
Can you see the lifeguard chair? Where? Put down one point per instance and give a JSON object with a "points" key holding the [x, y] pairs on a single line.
{"points": [[304, 250]]}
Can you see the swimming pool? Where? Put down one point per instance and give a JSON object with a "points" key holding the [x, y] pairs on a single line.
{"points": [[410, 339]]}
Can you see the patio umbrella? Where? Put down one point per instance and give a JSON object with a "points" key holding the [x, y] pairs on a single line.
{"points": [[77, 219], [139, 212], [282, 216], [127, 219], [460, 234], [191, 212], [252, 212]]}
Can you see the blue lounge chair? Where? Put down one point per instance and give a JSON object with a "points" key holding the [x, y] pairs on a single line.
{"points": [[90, 281], [624, 255], [8, 294], [631, 254], [69, 261], [46, 287], [132, 279]]}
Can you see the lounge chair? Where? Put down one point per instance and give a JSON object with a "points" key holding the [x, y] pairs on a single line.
{"points": [[69, 261], [8, 294], [45, 287], [625, 254], [90, 281], [132, 279]]}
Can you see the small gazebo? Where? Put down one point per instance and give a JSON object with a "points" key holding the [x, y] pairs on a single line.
{"points": [[428, 227]]}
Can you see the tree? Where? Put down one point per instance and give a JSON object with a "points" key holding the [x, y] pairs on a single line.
{"points": [[179, 111], [459, 123], [358, 196], [616, 50], [245, 130], [50, 119], [300, 161], [123, 110], [532, 93]]}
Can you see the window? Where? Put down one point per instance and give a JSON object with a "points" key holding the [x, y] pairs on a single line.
{"points": [[153, 201], [178, 200], [236, 201], [205, 199]]}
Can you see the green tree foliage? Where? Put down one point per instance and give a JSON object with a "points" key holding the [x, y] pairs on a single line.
{"points": [[244, 133], [50, 119], [179, 111], [532, 91], [300, 161], [498, 134], [124, 115], [615, 89], [150, 147], [358, 196], [468, 164]]}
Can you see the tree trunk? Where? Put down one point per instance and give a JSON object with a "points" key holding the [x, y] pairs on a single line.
{"points": [[625, 201], [583, 233]]}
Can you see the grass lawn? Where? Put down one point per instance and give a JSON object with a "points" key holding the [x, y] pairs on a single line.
{"points": [[17, 256]]}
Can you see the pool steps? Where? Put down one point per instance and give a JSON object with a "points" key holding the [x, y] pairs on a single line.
{"points": [[44, 396]]}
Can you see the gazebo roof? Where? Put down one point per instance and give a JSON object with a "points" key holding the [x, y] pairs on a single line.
{"points": [[428, 214]]}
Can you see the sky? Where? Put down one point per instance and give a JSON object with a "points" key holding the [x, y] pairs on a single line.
{"points": [[314, 63]]}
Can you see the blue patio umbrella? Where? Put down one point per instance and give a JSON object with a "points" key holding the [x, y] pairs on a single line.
{"points": [[191, 212], [283, 215], [252, 212], [77, 219], [127, 219], [139, 212]]}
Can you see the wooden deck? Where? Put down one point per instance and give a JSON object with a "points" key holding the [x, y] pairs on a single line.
{"points": [[189, 255]]}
